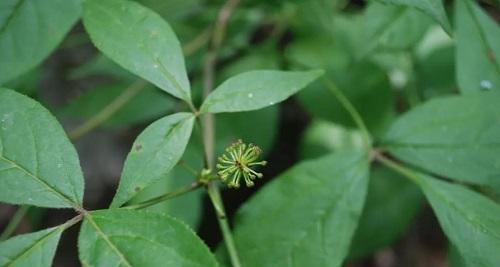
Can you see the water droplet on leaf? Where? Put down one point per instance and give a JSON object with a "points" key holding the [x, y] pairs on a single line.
{"points": [[7, 121], [486, 85]]}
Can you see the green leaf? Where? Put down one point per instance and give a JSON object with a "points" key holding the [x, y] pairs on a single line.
{"points": [[478, 49], [147, 104], [154, 153], [38, 164], [140, 238], [140, 41], [241, 125], [30, 31], [176, 10], [433, 8], [306, 216], [35, 249], [391, 204], [391, 28], [392, 201], [454, 257], [456, 137], [470, 220], [257, 89], [187, 207], [315, 16]]}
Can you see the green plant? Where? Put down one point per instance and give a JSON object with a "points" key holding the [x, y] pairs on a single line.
{"points": [[313, 214]]}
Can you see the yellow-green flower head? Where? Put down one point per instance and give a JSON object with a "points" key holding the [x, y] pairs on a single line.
{"points": [[237, 162]]}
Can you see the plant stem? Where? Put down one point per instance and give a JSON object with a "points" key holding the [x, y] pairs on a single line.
{"points": [[208, 129], [412, 175], [169, 195], [209, 72], [349, 107], [414, 95], [14, 222], [108, 111], [214, 194], [188, 167], [197, 42], [72, 221]]}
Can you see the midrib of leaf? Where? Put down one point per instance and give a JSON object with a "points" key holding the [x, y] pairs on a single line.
{"points": [[38, 179], [321, 218], [25, 252], [170, 77], [11, 16], [460, 211], [482, 35], [104, 237]]}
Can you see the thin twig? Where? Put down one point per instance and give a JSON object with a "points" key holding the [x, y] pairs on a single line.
{"points": [[108, 111], [214, 194], [188, 167], [209, 125], [169, 195], [408, 173], [218, 35], [72, 221], [197, 42], [349, 107], [14, 222]]}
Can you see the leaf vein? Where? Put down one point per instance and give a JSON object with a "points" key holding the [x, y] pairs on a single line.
{"points": [[38, 179], [107, 241]]}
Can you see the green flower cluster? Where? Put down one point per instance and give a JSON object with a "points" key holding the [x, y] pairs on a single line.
{"points": [[237, 162]]}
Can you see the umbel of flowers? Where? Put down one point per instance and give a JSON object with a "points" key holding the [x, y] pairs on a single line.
{"points": [[237, 163]]}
